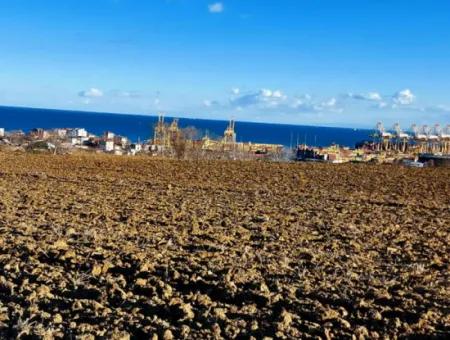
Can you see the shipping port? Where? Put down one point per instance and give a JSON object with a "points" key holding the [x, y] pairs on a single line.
{"points": [[420, 146]]}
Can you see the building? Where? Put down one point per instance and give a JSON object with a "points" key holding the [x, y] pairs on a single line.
{"points": [[107, 135], [38, 133], [77, 136], [60, 133], [305, 153], [120, 140], [107, 145], [135, 148], [2, 132], [77, 133]]}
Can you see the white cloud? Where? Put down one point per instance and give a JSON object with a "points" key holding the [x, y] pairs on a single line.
{"points": [[305, 103], [375, 96], [278, 94], [91, 93], [125, 94], [210, 103], [216, 7], [275, 101], [263, 98], [395, 101], [297, 103], [329, 103], [371, 96], [265, 93], [301, 100], [404, 97]]}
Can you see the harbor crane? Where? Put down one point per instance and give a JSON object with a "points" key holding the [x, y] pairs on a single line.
{"points": [[383, 137], [421, 139], [401, 138]]}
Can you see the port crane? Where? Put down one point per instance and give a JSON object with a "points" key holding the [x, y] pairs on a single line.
{"points": [[421, 139]]}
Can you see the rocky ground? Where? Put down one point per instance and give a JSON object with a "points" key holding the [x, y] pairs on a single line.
{"points": [[118, 247]]}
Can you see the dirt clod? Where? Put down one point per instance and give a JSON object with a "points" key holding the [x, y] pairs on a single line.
{"points": [[97, 246]]}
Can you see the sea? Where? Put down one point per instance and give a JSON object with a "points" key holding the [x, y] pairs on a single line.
{"points": [[140, 127]]}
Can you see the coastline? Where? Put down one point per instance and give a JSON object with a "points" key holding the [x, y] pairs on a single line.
{"points": [[141, 126]]}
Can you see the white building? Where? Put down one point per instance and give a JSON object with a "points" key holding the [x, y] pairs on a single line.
{"points": [[134, 149], [78, 133], [123, 141], [61, 133], [107, 145], [78, 140], [108, 135], [2, 132]]}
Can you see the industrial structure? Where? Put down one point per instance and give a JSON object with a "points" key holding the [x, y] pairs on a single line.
{"points": [[229, 136], [421, 139], [168, 138], [229, 144], [165, 135], [419, 146]]}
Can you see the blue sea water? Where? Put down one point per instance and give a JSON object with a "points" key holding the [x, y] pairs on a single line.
{"points": [[140, 127]]}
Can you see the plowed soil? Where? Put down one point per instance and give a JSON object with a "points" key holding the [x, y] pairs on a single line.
{"points": [[118, 247]]}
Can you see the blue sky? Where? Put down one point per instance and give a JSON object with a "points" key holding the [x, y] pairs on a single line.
{"points": [[319, 62]]}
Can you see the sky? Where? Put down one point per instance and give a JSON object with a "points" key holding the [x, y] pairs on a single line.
{"points": [[311, 62]]}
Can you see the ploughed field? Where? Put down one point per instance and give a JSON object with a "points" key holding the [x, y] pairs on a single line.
{"points": [[119, 247]]}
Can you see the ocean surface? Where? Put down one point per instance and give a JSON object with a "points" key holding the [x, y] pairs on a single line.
{"points": [[140, 127]]}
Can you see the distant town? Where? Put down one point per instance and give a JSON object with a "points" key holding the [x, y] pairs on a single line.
{"points": [[421, 146]]}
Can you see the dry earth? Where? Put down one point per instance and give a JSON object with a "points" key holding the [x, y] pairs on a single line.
{"points": [[115, 247]]}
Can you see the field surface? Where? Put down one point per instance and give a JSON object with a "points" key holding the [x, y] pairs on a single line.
{"points": [[118, 247]]}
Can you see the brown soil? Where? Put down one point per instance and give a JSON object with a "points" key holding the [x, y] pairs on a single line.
{"points": [[116, 247]]}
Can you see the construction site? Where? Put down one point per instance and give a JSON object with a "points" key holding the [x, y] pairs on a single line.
{"points": [[171, 139]]}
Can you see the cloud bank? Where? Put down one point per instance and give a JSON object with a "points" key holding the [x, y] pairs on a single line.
{"points": [[403, 98], [275, 101]]}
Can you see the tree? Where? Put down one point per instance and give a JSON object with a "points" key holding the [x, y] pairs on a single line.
{"points": [[179, 145], [190, 133]]}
